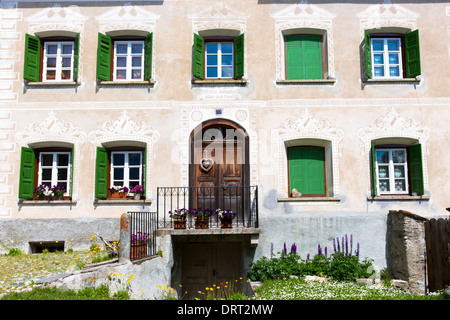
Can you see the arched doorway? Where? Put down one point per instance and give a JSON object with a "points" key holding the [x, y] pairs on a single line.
{"points": [[219, 168]]}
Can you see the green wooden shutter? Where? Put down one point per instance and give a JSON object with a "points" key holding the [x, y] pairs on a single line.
{"points": [[144, 166], [368, 54], [199, 57], [416, 169], [101, 173], [26, 183], [412, 54], [239, 56], [76, 57], [374, 171], [306, 170], [32, 58], [304, 57], [71, 171], [148, 57], [104, 57]]}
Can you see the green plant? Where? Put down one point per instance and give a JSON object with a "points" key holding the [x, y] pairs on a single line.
{"points": [[14, 252]]}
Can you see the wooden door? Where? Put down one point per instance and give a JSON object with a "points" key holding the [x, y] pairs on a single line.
{"points": [[225, 148], [208, 264]]}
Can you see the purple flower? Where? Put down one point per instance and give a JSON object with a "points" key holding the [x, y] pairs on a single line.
{"points": [[294, 249]]}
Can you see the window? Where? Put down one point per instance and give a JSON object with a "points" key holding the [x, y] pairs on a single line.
{"points": [[126, 169], [303, 57], [307, 170], [119, 166], [392, 56], [54, 169], [124, 58], [397, 170], [218, 58], [47, 166], [51, 59]]}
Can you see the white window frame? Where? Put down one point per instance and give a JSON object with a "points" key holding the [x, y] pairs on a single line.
{"points": [[129, 59], [385, 53], [59, 60], [219, 60], [391, 172], [126, 166], [54, 167]]}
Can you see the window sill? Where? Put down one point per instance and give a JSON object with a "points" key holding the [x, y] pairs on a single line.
{"points": [[399, 198], [307, 82], [310, 199], [122, 202], [31, 203], [219, 81], [145, 83], [392, 81], [48, 84]]}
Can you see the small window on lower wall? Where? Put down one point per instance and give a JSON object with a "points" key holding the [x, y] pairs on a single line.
{"points": [[120, 172], [307, 171], [397, 170]]}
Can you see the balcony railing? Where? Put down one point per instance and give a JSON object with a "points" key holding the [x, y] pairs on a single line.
{"points": [[243, 200]]}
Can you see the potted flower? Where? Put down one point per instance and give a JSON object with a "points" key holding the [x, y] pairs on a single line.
{"points": [[226, 218], [179, 218], [138, 191], [43, 192], [58, 192], [118, 192], [201, 217], [139, 242]]}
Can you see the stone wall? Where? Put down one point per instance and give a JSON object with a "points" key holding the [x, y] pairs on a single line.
{"points": [[406, 248]]}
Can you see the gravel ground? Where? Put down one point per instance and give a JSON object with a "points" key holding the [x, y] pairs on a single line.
{"points": [[18, 273]]}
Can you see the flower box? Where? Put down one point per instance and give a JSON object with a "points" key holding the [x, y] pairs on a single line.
{"points": [[118, 195], [179, 223], [201, 222], [226, 223]]}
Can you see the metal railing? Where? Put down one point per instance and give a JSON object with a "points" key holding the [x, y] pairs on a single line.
{"points": [[243, 200], [143, 226]]}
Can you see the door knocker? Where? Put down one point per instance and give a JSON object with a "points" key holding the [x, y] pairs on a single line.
{"points": [[206, 163]]}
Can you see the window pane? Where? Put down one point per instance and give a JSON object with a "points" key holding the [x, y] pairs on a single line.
{"points": [[399, 171], [134, 173], [121, 62], [400, 185], [211, 72], [393, 58], [394, 71], [134, 159], [47, 160], [393, 45], [378, 58], [379, 71], [227, 72], [62, 174], [377, 45], [51, 62], [118, 159], [118, 183], [66, 62], [211, 47], [133, 184], [65, 74], [118, 174], [62, 160], [51, 74], [52, 49], [383, 156], [67, 49], [136, 62], [398, 156], [383, 172], [227, 48], [47, 174], [211, 60], [227, 60], [121, 74], [384, 185], [136, 48], [63, 184], [121, 48], [136, 74]]}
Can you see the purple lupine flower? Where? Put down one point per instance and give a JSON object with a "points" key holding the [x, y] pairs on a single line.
{"points": [[346, 245], [338, 247], [351, 244], [319, 250], [294, 248], [326, 249], [307, 258], [357, 249], [284, 249], [334, 245], [271, 249]]}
